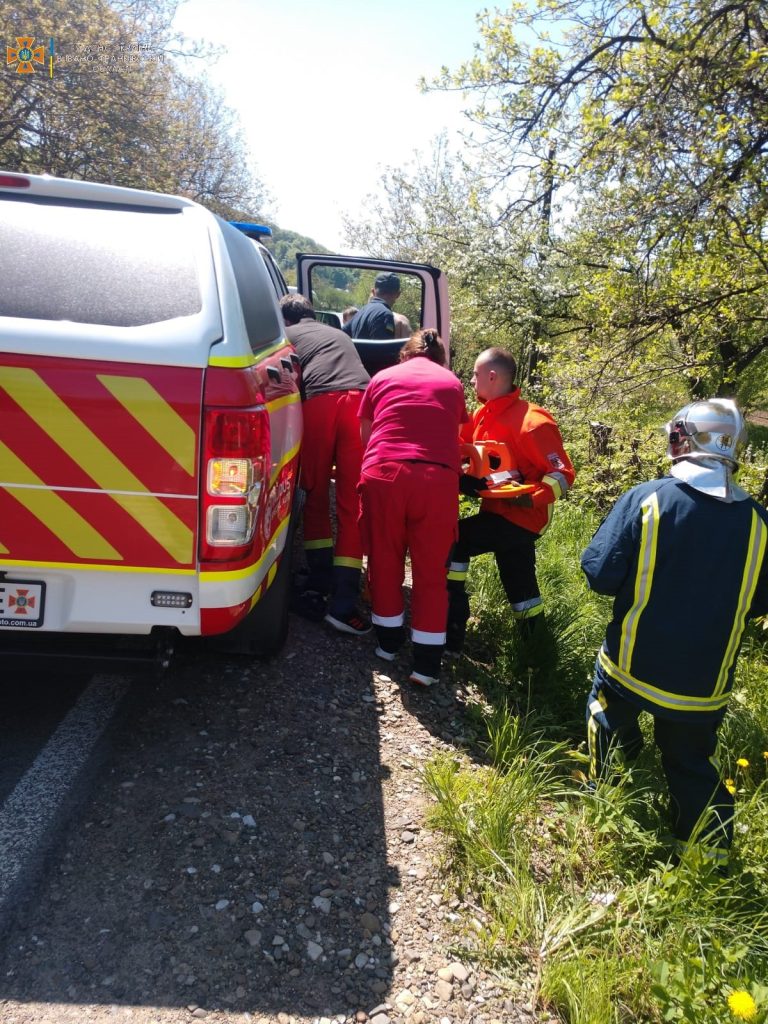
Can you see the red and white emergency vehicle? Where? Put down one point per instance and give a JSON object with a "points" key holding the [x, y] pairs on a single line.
{"points": [[150, 420]]}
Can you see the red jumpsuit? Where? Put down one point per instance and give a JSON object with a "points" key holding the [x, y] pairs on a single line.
{"points": [[409, 495]]}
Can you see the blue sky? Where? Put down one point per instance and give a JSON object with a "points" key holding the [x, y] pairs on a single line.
{"points": [[327, 92]]}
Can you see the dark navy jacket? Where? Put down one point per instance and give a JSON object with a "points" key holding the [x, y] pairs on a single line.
{"points": [[374, 322], [686, 572]]}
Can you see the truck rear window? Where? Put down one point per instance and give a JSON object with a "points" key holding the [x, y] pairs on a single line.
{"points": [[111, 265]]}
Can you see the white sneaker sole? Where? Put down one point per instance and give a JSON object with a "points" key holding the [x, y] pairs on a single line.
{"points": [[422, 680], [385, 655]]}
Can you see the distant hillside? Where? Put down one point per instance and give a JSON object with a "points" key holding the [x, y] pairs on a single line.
{"points": [[285, 244]]}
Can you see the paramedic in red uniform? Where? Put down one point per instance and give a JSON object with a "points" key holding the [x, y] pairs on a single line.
{"points": [[509, 527], [409, 420], [332, 383]]}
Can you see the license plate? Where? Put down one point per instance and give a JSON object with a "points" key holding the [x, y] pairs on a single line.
{"points": [[22, 603]]}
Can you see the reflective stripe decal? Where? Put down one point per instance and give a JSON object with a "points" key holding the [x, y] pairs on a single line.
{"points": [[558, 484], [349, 563], [527, 609], [60, 518], [71, 435], [3, 549], [420, 636], [92, 567], [170, 431], [158, 520], [315, 545], [754, 560], [279, 403], [664, 699], [251, 358], [643, 582], [388, 620], [284, 462]]}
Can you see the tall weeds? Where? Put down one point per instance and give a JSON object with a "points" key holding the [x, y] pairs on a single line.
{"points": [[583, 909]]}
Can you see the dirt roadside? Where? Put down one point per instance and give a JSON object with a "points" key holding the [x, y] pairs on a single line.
{"points": [[255, 851]]}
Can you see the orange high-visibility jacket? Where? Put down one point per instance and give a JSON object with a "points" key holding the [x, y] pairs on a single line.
{"points": [[534, 442]]}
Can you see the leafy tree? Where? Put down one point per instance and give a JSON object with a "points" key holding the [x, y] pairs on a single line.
{"points": [[650, 120], [117, 108]]}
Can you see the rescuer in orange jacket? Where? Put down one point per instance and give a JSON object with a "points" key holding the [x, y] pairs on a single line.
{"points": [[508, 526]]}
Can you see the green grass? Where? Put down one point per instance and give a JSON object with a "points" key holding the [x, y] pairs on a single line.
{"points": [[582, 909]]}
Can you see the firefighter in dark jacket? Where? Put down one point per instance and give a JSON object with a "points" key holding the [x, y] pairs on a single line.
{"points": [[684, 558]]}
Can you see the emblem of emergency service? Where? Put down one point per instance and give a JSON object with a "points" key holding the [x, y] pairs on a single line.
{"points": [[555, 461], [724, 442]]}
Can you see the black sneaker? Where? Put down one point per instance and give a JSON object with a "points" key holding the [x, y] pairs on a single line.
{"points": [[355, 624]]}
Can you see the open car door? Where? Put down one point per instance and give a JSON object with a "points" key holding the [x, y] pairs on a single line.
{"points": [[335, 283]]}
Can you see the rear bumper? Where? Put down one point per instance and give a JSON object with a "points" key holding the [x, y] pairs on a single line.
{"points": [[104, 601]]}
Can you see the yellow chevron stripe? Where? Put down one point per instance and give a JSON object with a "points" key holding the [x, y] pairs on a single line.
{"points": [[250, 359], [70, 527], [284, 462], [279, 403], [5, 562], [158, 521], [232, 362], [151, 411], [69, 433], [239, 574], [3, 549]]}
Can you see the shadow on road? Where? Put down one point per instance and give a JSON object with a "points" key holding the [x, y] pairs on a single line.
{"points": [[232, 856]]}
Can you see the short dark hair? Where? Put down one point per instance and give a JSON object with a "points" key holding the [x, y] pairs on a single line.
{"points": [[501, 361], [387, 284], [424, 343], [296, 307]]}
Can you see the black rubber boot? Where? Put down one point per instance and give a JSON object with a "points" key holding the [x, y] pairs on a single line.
{"points": [[426, 664], [390, 640], [320, 565], [458, 614]]}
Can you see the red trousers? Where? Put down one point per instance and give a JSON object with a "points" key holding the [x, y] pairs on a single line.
{"points": [[332, 437], [409, 507]]}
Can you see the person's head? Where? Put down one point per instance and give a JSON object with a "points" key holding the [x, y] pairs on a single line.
{"points": [[710, 429], [296, 307], [424, 343], [348, 313], [387, 287], [403, 327], [494, 374]]}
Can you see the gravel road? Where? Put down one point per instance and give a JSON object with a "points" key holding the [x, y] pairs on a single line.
{"points": [[255, 850]]}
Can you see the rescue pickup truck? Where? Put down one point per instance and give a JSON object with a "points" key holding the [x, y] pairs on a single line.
{"points": [[150, 422]]}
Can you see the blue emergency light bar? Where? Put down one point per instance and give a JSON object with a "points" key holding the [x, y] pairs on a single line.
{"points": [[252, 230]]}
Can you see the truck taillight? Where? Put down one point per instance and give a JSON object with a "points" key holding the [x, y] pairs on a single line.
{"points": [[235, 468]]}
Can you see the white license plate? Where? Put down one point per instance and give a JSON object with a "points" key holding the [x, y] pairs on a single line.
{"points": [[21, 603]]}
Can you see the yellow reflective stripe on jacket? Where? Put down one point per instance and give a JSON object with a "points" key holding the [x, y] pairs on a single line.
{"points": [[754, 560], [663, 698], [643, 582], [555, 484]]}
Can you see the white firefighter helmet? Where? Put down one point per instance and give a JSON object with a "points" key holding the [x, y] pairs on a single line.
{"points": [[711, 429]]}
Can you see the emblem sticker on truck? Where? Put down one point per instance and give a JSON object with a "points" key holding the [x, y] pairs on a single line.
{"points": [[21, 603]]}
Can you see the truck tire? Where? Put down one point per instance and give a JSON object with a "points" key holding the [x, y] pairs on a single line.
{"points": [[262, 632]]}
